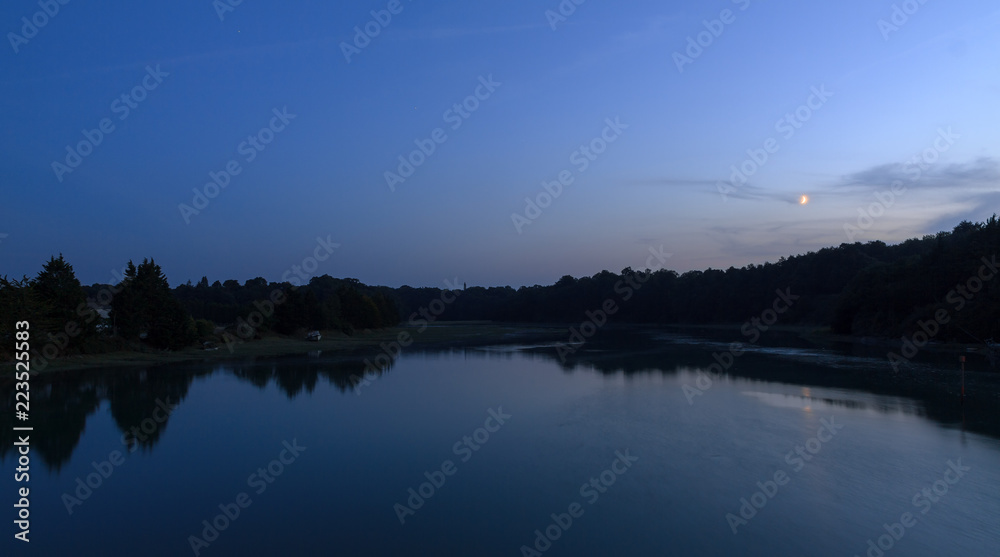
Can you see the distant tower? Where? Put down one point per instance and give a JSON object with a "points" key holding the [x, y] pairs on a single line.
{"points": [[463, 287]]}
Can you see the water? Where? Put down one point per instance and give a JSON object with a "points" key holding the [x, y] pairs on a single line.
{"points": [[617, 411]]}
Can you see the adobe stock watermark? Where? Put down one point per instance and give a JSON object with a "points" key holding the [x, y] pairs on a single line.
{"points": [[884, 200], [752, 329], [591, 491], [224, 7], [901, 14], [364, 35], [30, 27], [297, 275], [696, 45], [421, 319], [797, 459], [788, 125], [437, 479], [625, 289], [563, 11], [85, 487], [914, 170], [426, 147], [259, 481], [581, 159], [958, 298], [925, 499], [250, 148], [123, 107], [301, 274]]}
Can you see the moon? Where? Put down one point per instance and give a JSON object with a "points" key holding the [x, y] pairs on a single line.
{"points": [[804, 200]]}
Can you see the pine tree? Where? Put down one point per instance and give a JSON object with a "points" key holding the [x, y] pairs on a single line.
{"points": [[147, 309], [62, 296]]}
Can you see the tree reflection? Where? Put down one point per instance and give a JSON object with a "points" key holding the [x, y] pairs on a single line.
{"points": [[141, 400], [61, 403], [59, 412], [141, 403]]}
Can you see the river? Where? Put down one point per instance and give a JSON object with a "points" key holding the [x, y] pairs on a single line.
{"points": [[631, 446]]}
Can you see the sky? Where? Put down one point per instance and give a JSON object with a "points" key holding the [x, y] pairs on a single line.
{"points": [[408, 142]]}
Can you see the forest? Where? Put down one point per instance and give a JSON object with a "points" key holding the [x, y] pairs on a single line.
{"points": [[871, 290]]}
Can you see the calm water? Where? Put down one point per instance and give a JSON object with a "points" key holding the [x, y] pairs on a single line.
{"points": [[323, 466]]}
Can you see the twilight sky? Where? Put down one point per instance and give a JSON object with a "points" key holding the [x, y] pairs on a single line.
{"points": [[302, 119]]}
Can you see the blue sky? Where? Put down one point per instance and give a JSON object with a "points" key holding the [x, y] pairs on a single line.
{"points": [[925, 87]]}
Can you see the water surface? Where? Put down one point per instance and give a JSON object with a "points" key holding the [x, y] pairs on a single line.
{"points": [[676, 468]]}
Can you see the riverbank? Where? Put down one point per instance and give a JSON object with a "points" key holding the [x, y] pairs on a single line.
{"points": [[455, 334], [271, 345]]}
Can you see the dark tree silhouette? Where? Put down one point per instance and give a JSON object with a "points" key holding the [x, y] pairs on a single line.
{"points": [[146, 309]]}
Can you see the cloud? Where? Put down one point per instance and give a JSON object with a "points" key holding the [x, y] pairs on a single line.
{"points": [[755, 193], [964, 182], [975, 182], [980, 174], [976, 207]]}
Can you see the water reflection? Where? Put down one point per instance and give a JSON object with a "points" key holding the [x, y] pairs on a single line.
{"points": [[63, 402], [850, 400], [140, 400], [930, 387], [59, 414], [136, 398]]}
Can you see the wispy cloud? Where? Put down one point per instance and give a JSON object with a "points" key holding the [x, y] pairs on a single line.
{"points": [[975, 181], [755, 193], [977, 207], [748, 191], [979, 174]]}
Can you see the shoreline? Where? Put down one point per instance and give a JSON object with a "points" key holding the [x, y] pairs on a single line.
{"points": [[454, 333], [822, 333], [273, 345]]}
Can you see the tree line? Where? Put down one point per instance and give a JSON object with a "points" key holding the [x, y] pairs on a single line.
{"points": [[870, 289], [68, 318]]}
